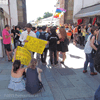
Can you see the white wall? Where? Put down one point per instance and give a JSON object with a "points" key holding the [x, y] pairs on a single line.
{"points": [[14, 14], [78, 4], [87, 3]]}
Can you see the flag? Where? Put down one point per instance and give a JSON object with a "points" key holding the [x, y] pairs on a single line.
{"points": [[59, 12]]}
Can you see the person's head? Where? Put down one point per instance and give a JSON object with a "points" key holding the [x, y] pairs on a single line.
{"points": [[89, 25], [48, 29], [53, 31], [44, 28], [94, 30], [40, 29], [7, 27], [29, 27], [17, 28], [62, 32], [16, 65], [33, 63], [13, 27], [33, 29]]}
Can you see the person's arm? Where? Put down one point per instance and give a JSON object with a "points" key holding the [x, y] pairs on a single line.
{"points": [[21, 38], [6, 36], [1, 38], [39, 70], [92, 43]]}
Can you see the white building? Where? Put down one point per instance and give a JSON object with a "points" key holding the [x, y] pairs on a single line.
{"points": [[13, 11], [49, 21], [86, 10]]}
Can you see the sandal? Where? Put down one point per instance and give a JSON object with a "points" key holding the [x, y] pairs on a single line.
{"points": [[93, 73], [84, 71]]}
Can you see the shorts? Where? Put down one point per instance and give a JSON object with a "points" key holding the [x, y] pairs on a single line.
{"points": [[7, 47]]}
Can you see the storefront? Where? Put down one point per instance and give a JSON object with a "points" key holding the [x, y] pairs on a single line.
{"points": [[89, 14]]}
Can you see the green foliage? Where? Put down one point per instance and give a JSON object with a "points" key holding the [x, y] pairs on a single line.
{"points": [[47, 14]]}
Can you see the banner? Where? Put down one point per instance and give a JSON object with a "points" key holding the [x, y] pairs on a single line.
{"points": [[35, 45], [23, 55]]}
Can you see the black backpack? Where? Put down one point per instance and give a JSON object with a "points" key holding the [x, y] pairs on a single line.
{"points": [[42, 36], [97, 60]]}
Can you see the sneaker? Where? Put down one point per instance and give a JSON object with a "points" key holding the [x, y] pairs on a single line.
{"points": [[84, 71], [93, 73], [62, 62]]}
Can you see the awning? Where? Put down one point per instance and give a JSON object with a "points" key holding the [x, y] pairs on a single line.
{"points": [[88, 11]]}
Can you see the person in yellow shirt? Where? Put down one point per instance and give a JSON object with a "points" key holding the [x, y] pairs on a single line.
{"points": [[83, 30]]}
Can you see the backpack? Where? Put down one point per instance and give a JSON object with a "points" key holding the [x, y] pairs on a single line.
{"points": [[42, 36], [97, 60]]}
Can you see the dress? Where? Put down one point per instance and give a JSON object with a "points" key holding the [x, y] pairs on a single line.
{"points": [[17, 84], [63, 47]]}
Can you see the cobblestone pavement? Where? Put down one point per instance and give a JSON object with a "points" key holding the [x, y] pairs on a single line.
{"points": [[64, 82]]}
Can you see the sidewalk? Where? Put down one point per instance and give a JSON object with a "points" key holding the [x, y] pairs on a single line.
{"points": [[60, 83]]}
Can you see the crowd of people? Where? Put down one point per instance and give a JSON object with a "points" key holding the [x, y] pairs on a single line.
{"points": [[58, 40]]}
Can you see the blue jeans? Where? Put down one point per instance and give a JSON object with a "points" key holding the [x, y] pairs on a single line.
{"points": [[89, 59], [97, 94]]}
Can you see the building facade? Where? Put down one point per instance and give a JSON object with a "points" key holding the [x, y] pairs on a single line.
{"points": [[87, 10], [69, 6], [21, 8]]}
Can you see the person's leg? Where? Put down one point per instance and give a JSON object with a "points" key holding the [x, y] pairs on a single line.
{"points": [[91, 63], [42, 58], [64, 56], [51, 56], [55, 57], [45, 55], [8, 55], [86, 63]]}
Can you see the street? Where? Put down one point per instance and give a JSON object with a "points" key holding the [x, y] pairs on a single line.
{"points": [[64, 82]]}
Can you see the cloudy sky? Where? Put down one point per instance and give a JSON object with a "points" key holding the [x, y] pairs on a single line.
{"points": [[36, 8]]}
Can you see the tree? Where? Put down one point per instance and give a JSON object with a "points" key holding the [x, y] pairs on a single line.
{"points": [[39, 18], [47, 14]]}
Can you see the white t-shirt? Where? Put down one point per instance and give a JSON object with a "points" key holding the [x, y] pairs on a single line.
{"points": [[25, 34], [88, 48]]}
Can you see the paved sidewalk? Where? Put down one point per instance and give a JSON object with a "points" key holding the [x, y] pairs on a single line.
{"points": [[64, 82]]}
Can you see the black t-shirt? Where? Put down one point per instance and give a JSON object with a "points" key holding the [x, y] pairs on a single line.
{"points": [[53, 41], [79, 29], [16, 36], [13, 31]]}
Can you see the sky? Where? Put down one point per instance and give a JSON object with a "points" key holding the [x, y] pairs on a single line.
{"points": [[36, 8]]}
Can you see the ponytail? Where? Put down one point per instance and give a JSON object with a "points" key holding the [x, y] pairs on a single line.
{"points": [[16, 65]]}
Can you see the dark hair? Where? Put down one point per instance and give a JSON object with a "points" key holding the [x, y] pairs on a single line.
{"points": [[53, 30], [33, 28], [29, 25], [6, 26], [93, 29], [44, 28], [16, 65]]}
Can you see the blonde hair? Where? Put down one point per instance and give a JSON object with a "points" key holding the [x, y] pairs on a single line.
{"points": [[33, 63]]}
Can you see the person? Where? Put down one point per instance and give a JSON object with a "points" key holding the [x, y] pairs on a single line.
{"points": [[79, 35], [17, 35], [7, 41], [98, 35], [13, 31], [88, 49], [83, 35], [26, 33], [63, 45], [34, 29], [75, 32], [39, 30], [53, 39], [66, 27], [69, 34], [16, 82], [33, 78], [43, 35]]}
